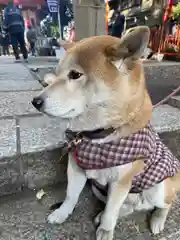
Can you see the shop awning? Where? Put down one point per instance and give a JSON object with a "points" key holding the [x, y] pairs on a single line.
{"points": [[3, 1], [29, 2], [25, 3]]}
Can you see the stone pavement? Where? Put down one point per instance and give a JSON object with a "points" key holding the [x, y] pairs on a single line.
{"points": [[23, 217], [29, 159], [24, 131]]}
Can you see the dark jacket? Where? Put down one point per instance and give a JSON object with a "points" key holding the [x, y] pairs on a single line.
{"points": [[13, 19], [117, 27]]}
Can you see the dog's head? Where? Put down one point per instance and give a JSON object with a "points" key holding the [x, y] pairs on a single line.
{"points": [[97, 81]]}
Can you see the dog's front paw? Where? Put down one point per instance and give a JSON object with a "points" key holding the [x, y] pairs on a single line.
{"points": [[157, 224], [102, 234], [97, 219], [58, 216]]}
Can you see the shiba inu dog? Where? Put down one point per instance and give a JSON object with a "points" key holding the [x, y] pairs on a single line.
{"points": [[99, 89]]}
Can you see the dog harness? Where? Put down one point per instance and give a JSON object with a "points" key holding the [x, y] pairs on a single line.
{"points": [[160, 163]]}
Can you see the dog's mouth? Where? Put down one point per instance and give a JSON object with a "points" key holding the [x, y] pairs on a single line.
{"points": [[69, 114], [39, 104]]}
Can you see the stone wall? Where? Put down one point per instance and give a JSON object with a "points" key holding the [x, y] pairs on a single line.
{"points": [[89, 19]]}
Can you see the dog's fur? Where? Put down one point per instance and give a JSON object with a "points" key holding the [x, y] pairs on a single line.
{"points": [[109, 91]]}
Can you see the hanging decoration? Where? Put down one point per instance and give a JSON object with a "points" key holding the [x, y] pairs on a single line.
{"points": [[168, 11], [107, 16], [28, 3]]}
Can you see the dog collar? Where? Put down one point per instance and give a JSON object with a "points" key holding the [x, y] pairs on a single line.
{"points": [[95, 134]]}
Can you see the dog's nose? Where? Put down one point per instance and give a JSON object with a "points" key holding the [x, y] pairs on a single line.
{"points": [[38, 102]]}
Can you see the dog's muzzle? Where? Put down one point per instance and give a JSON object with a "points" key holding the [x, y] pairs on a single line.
{"points": [[38, 103]]}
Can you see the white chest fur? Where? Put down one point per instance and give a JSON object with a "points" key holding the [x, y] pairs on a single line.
{"points": [[108, 175]]}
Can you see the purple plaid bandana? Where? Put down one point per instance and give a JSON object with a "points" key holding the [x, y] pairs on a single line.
{"points": [[159, 161]]}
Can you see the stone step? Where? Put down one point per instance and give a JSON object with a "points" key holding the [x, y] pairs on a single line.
{"points": [[30, 147], [166, 118], [23, 217], [30, 159], [174, 101]]}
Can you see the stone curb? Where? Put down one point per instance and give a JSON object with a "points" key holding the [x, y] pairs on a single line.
{"points": [[174, 102], [34, 161], [29, 149]]}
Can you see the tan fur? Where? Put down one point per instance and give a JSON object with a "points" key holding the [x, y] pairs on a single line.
{"points": [[137, 167], [85, 51], [90, 55], [172, 186], [170, 191]]}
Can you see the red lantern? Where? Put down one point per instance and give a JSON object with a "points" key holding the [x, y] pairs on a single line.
{"points": [[106, 17]]}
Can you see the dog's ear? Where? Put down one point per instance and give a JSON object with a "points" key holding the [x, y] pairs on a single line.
{"points": [[66, 45], [131, 45], [49, 78]]}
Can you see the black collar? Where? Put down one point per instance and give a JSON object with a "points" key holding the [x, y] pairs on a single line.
{"points": [[95, 134]]}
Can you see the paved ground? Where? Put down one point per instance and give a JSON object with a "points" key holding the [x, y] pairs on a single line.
{"points": [[158, 80], [22, 217], [23, 130]]}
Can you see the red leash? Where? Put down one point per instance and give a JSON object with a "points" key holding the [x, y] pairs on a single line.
{"points": [[168, 97]]}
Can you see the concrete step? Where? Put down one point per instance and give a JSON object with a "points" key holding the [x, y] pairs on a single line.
{"points": [[29, 159], [166, 118], [174, 101], [22, 217], [29, 146]]}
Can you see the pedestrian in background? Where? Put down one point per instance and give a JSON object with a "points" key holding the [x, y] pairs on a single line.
{"points": [[14, 25], [32, 37], [5, 43], [117, 21]]}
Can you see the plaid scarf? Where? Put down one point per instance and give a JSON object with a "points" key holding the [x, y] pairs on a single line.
{"points": [[159, 161]]}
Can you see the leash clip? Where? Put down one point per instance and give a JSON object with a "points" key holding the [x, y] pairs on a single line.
{"points": [[75, 142]]}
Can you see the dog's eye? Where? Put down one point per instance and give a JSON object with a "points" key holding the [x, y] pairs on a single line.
{"points": [[73, 74]]}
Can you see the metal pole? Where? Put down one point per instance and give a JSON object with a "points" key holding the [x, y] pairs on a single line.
{"points": [[59, 21]]}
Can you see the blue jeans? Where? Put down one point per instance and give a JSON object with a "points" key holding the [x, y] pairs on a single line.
{"points": [[17, 39], [32, 48]]}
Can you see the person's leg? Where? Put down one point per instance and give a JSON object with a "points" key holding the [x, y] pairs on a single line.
{"points": [[8, 53], [4, 50], [33, 48], [21, 40], [14, 43]]}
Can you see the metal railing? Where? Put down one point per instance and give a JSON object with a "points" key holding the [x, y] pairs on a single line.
{"points": [[41, 41]]}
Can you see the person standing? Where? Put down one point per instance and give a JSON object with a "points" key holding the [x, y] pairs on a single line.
{"points": [[14, 25], [117, 21], [31, 37], [5, 43], [118, 26]]}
